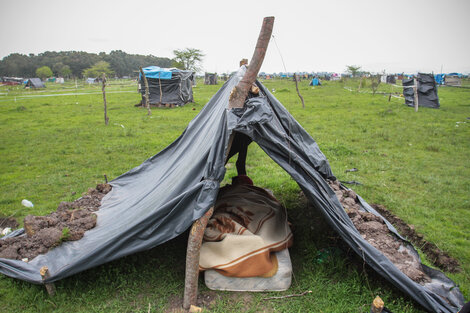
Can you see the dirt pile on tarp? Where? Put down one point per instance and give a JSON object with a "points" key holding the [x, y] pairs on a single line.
{"points": [[438, 257], [375, 231], [69, 222]]}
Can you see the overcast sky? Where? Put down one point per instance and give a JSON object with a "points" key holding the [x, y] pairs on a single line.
{"points": [[325, 35]]}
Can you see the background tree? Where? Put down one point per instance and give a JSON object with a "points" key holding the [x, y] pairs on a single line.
{"points": [[73, 63], [353, 69], [188, 59], [98, 69], [65, 71], [44, 72]]}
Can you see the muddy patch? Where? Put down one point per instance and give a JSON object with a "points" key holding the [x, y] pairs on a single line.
{"points": [[438, 257], [68, 223], [375, 231]]}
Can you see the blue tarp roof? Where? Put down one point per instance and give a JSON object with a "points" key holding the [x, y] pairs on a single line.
{"points": [[158, 72]]}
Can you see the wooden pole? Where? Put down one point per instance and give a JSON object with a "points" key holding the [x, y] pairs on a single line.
{"points": [[415, 89], [103, 86], [240, 92], [160, 84], [146, 96], [192, 259], [298, 92]]}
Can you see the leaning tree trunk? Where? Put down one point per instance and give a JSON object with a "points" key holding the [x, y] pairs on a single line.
{"points": [[240, 92]]}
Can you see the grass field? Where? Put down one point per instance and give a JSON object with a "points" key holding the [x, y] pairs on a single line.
{"points": [[54, 145]]}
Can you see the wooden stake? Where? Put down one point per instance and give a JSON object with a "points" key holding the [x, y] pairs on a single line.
{"points": [[239, 93], [415, 89], [50, 287], [106, 118], [377, 305], [146, 96], [298, 92], [192, 259]]}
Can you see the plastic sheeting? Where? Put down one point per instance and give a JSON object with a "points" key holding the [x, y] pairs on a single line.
{"points": [[157, 72], [176, 90], [162, 197], [427, 91]]}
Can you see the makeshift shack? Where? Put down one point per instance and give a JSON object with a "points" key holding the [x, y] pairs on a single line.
{"points": [[210, 79], [453, 80], [427, 91], [34, 83], [167, 86]]}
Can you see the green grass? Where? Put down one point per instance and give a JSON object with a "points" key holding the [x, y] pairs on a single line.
{"points": [[416, 164]]}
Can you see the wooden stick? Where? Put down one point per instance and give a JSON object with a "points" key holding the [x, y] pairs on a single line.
{"points": [[289, 296], [298, 92], [146, 97], [415, 89], [50, 287], [239, 93], [192, 259], [106, 118]]}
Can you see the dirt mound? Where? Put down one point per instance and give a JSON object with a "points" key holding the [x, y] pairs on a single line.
{"points": [[69, 222], [373, 229], [439, 258]]}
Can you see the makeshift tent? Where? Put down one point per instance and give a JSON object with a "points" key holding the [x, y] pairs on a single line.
{"points": [[453, 80], [175, 85], [439, 78], [391, 79], [210, 79], [315, 82], [162, 197], [35, 83], [427, 91]]}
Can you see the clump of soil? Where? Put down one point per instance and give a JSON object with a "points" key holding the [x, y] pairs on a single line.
{"points": [[375, 231], [439, 258], [68, 223]]}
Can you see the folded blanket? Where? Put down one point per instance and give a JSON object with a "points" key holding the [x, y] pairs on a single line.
{"points": [[248, 224]]}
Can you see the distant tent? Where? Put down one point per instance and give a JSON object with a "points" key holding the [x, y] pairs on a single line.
{"points": [[175, 85], [210, 79], [427, 91], [59, 80], [315, 82], [453, 80], [391, 79], [11, 81], [439, 78], [34, 83], [91, 80]]}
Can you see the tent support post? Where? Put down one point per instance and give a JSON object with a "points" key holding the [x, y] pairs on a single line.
{"points": [[192, 259], [240, 91]]}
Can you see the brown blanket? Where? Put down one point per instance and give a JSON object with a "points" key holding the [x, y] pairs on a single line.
{"points": [[248, 224]]}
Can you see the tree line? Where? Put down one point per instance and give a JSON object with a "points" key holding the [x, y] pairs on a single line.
{"points": [[71, 64]]}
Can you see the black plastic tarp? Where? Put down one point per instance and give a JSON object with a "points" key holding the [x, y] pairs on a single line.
{"points": [[427, 91], [177, 90], [162, 197]]}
